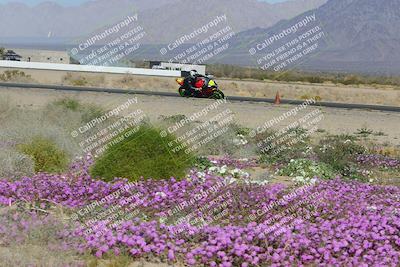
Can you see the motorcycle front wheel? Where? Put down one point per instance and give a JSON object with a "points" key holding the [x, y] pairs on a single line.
{"points": [[217, 94]]}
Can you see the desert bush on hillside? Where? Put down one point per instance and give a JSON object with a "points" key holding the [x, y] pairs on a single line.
{"points": [[340, 152], [15, 76], [45, 154], [142, 152]]}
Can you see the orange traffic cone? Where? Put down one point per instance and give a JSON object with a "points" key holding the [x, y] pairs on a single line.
{"points": [[277, 99]]}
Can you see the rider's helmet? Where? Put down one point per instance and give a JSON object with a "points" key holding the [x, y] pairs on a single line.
{"points": [[193, 73]]}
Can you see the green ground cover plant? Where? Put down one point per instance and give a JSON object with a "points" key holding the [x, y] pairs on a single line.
{"points": [[142, 152]]}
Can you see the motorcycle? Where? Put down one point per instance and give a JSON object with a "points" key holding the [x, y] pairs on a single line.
{"points": [[209, 88]]}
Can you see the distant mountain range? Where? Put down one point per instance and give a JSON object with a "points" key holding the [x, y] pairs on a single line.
{"points": [[358, 35], [170, 21], [50, 20], [163, 20], [364, 35]]}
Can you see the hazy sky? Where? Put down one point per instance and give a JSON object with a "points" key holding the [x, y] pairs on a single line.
{"points": [[33, 2], [77, 2]]}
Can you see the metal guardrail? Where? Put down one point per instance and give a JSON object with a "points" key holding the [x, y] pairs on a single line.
{"points": [[87, 68]]}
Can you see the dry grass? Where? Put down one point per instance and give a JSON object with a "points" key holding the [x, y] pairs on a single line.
{"points": [[125, 261], [333, 93], [144, 82], [39, 244], [6, 108], [77, 79], [29, 255], [21, 125], [14, 164]]}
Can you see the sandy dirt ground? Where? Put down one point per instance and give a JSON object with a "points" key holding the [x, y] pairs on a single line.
{"points": [[253, 115], [382, 95]]}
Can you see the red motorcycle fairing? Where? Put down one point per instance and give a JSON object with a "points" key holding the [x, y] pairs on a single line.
{"points": [[199, 83]]}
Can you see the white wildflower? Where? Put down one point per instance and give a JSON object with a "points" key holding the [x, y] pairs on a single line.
{"points": [[161, 194]]}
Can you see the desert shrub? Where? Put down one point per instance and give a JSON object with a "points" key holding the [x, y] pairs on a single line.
{"points": [[351, 79], [232, 141], [238, 129], [173, 118], [80, 82], [75, 80], [15, 76], [364, 131], [388, 151], [56, 124], [79, 79], [127, 80], [91, 111], [87, 112], [314, 79], [317, 98], [45, 154], [202, 163], [68, 103], [307, 96], [304, 170], [280, 147], [339, 151], [14, 164], [142, 152]]}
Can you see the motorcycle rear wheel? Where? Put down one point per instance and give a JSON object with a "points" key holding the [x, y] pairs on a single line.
{"points": [[182, 92]]}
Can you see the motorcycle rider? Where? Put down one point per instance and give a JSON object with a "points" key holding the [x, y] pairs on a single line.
{"points": [[190, 82]]}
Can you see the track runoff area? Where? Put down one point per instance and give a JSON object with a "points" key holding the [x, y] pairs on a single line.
{"points": [[171, 94]]}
